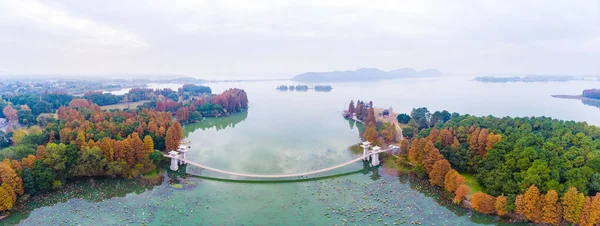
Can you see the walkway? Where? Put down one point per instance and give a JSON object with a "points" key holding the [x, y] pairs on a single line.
{"points": [[279, 175]]}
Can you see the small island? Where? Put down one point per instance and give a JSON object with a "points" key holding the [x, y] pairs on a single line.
{"points": [[534, 78], [304, 88]]}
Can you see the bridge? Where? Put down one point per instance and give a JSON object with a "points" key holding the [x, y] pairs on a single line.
{"points": [[175, 158]]}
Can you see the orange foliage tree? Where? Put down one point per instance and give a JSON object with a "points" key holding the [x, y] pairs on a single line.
{"points": [[532, 208], [461, 193], [550, 214], [483, 203], [438, 172], [500, 205]]}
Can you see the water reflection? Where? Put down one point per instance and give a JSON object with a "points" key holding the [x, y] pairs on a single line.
{"points": [[590, 102], [217, 123]]}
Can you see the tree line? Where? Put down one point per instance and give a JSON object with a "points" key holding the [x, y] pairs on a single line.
{"points": [[85, 141], [546, 170]]}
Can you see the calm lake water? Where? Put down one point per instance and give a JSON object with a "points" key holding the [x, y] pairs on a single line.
{"points": [[289, 132]]}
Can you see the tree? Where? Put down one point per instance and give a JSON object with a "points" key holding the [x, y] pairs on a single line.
{"points": [[43, 177], [408, 132], [519, 205], [421, 116], [585, 212], [500, 205], [371, 134], [572, 201], [28, 181], [173, 136], [439, 171], [91, 162], [18, 135], [351, 108], [148, 144], [106, 145], [430, 155], [550, 213], [370, 116], [138, 147], [6, 201], [403, 118], [594, 215], [9, 176], [461, 193], [483, 203], [40, 153], [531, 200], [452, 180], [11, 114], [55, 156]]}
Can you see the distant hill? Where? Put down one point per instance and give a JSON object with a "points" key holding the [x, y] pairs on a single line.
{"points": [[365, 74]]}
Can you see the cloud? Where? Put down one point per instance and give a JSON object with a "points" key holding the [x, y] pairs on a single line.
{"points": [[265, 38], [62, 23]]}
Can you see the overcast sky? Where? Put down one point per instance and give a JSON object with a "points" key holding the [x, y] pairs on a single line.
{"points": [[267, 39]]}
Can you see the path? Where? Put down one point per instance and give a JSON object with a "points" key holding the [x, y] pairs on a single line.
{"points": [[279, 175]]}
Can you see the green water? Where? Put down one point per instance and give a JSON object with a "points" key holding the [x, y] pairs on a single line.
{"points": [[290, 132]]}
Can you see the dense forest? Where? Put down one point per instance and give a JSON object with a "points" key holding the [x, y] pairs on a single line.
{"points": [[543, 169], [84, 141], [63, 136]]}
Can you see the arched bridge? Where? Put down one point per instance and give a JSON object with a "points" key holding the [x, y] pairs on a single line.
{"points": [[362, 157]]}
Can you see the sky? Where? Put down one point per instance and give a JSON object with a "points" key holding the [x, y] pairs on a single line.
{"points": [[278, 39]]}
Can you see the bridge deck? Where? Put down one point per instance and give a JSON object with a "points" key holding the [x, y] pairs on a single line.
{"points": [[279, 175]]}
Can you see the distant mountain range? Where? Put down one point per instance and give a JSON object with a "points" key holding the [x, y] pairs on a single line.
{"points": [[365, 74]]}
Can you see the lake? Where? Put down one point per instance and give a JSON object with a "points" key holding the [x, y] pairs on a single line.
{"points": [[289, 132]]}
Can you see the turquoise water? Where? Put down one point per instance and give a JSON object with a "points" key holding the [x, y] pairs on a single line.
{"points": [[289, 132]]}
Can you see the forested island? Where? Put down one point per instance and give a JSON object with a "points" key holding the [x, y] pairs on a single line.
{"points": [[534, 78], [48, 139], [538, 169], [535, 169], [304, 88], [589, 97]]}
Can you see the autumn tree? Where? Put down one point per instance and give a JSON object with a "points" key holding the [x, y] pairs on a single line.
{"points": [[370, 116], [139, 149], [531, 208], [461, 193], [500, 205], [148, 144], [40, 153], [6, 201], [371, 134], [351, 107], [119, 149], [450, 180], [519, 205], [594, 215], [11, 114], [483, 203], [404, 146], [9, 177], [585, 212], [572, 201], [439, 171], [106, 145], [430, 155], [128, 151], [550, 213]]}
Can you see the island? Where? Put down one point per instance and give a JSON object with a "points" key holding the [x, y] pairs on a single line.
{"points": [[590, 97], [534, 78], [532, 169], [365, 74]]}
